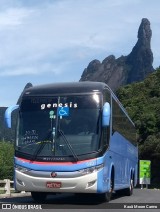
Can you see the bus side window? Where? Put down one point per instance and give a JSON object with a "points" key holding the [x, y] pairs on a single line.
{"points": [[121, 124]]}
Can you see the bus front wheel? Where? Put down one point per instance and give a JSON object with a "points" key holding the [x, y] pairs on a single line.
{"points": [[129, 191], [39, 197], [107, 196]]}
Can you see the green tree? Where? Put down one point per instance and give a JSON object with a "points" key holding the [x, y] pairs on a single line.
{"points": [[6, 160], [142, 102]]}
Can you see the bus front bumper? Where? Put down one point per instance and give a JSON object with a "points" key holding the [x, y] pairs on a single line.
{"points": [[56, 182]]}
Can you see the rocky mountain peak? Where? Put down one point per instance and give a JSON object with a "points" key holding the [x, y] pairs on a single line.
{"points": [[145, 33], [125, 69], [140, 59]]}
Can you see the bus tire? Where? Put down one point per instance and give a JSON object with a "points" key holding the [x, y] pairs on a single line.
{"points": [[129, 190], [107, 196], [39, 197]]}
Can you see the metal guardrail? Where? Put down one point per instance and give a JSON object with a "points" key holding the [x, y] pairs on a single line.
{"points": [[8, 186]]}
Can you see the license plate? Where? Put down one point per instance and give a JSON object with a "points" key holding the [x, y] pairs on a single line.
{"points": [[53, 184]]}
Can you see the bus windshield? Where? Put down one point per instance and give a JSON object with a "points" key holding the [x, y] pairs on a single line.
{"points": [[58, 126]]}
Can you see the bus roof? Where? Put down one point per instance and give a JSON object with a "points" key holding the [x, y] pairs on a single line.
{"points": [[66, 88]]}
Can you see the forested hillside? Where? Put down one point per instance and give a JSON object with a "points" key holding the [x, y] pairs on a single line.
{"points": [[142, 102]]}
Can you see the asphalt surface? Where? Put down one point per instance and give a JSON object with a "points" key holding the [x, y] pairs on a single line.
{"points": [[141, 200]]}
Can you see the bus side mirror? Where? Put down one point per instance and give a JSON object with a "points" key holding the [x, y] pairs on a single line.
{"points": [[7, 115], [106, 115]]}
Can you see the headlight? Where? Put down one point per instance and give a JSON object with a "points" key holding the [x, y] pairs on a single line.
{"points": [[21, 168], [91, 169]]}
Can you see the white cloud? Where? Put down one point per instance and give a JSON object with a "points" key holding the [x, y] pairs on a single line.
{"points": [[13, 17]]}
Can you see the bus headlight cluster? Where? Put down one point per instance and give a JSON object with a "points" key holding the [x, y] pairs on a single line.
{"points": [[91, 169], [21, 169]]}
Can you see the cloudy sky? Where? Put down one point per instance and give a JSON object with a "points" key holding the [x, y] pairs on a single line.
{"points": [[47, 41]]}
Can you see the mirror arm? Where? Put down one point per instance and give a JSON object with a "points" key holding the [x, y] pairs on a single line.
{"points": [[7, 115]]}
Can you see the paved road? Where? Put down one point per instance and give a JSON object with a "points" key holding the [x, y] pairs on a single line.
{"points": [[70, 201]]}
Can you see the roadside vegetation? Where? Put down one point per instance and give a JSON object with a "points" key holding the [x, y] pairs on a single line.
{"points": [[142, 102], [6, 160]]}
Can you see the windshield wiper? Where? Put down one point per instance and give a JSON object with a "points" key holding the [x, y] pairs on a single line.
{"points": [[69, 145], [39, 148]]}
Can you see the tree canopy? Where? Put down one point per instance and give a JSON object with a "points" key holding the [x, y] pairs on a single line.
{"points": [[142, 102], [6, 160]]}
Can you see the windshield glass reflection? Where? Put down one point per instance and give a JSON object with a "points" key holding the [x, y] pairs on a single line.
{"points": [[59, 126]]}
